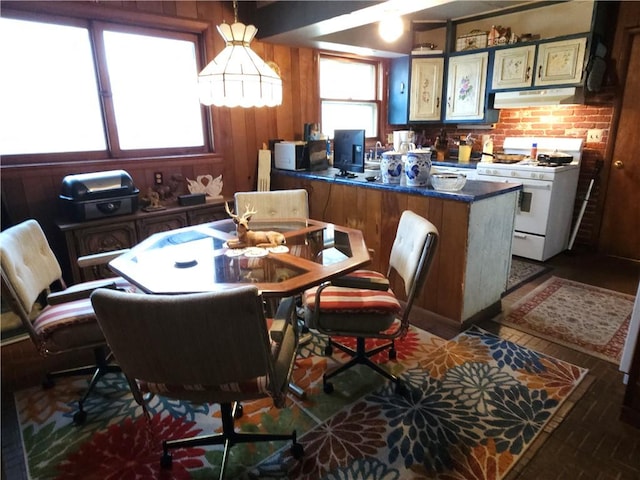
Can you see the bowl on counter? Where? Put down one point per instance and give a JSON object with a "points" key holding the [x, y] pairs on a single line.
{"points": [[448, 182]]}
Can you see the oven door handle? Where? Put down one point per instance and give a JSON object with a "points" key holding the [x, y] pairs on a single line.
{"points": [[530, 186]]}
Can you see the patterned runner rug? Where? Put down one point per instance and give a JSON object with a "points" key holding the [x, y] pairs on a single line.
{"points": [[476, 404], [583, 317], [522, 272]]}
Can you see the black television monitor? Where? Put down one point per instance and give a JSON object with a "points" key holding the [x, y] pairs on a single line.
{"points": [[348, 152]]}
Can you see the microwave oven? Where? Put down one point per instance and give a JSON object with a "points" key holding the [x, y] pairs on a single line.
{"points": [[311, 155]]}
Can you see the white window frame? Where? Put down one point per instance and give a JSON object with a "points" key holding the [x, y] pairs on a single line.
{"points": [[372, 101]]}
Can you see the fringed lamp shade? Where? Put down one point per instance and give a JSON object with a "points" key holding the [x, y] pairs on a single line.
{"points": [[238, 77]]}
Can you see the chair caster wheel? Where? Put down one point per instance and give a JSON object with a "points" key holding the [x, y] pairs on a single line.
{"points": [[393, 354], [327, 387], [297, 450], [401, 389], [328, 350], [48, 383], [166, 460], [238, 412], [79, 417]]}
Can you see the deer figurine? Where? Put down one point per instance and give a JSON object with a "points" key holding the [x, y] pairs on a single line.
{"points": [[248, 238]]}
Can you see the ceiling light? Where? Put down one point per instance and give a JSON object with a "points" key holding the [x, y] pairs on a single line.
{"points": [[238, 77], [391, 28]]}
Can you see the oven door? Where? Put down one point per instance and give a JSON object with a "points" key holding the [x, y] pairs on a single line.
{"points": [[533, 207]]}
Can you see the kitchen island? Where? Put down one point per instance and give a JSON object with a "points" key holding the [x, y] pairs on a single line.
{"points": [[473, 258]]}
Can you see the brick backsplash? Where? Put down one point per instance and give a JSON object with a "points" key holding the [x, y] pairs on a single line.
{"points": [[564, 121]]}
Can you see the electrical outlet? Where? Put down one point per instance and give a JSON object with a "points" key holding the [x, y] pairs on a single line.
{"points": [[157, 178], [594, 135]]}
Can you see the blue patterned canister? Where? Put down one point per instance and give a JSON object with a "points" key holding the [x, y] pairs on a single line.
{"points": [[417, 166], [391, 167]]}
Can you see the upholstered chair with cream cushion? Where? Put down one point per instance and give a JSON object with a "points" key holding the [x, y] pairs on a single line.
{"points": [[213, 347], [57, 321], [275, 204], [361, 304]]}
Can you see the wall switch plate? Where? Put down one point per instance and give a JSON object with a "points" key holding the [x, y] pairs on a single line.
{"points": [[157, 178], [594, 135]]}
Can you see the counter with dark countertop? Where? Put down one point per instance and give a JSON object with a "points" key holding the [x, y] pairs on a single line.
{"points": [[473, 257], [473, 190]]}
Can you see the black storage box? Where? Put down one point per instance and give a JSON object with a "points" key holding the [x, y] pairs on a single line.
{"points": [[192, 199], [88, 196]]}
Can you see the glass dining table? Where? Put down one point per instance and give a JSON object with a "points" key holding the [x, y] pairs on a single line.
{"points": [[197, 258]]}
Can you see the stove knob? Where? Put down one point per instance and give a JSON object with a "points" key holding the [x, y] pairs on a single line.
{"points": [[514, 174]]}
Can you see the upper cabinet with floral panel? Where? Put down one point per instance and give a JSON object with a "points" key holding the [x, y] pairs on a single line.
{"points": [[561, 62], [558, 62], [466, 81], [426, 88]]}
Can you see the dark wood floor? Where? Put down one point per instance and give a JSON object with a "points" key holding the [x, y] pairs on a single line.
{"points": [[590, 443]]}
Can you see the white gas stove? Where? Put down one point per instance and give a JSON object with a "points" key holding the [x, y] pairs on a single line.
{"points": [[545, 209]]}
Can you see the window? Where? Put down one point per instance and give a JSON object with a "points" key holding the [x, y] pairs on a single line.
{"points": [[349, 95], [99, 89]]}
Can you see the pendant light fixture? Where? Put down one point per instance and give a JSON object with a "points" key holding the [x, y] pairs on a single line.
{"points": [[238, 77]]}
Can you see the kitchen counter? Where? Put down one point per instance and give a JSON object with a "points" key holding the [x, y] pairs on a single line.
{"points": [[471, 266], [473, 190], [453, 162]]}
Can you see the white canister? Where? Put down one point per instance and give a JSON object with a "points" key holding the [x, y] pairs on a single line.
{"points": [[391, 167], [417, 166]]}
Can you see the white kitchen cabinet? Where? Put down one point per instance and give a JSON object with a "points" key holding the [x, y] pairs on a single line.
{"points": [[560, 62], [426, 89], [466, 86], [513, 67], [556, 63]]}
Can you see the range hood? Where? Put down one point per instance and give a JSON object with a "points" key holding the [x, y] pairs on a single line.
{"points": [[536, 98]]}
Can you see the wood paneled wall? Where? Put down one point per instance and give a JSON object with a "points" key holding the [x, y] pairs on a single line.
{"points": [[31, 190]]}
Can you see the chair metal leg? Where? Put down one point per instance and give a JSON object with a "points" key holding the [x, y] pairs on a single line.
{"points": [[229, 437], [360, 356], [101, 368]]}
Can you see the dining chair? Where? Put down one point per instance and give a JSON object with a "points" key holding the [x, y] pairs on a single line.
{"points": [[278, 205], [275, 204], [212, 347], [361, 305], [58, 318]]}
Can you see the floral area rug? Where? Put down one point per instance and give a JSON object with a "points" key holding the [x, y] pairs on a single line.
{"points": [[476, 404], [522, 272], [583, 317]]}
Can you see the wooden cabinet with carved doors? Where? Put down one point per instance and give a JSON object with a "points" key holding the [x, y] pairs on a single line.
{"points": [[150, 225], [426, 89], [116, 233], [466, 87]]}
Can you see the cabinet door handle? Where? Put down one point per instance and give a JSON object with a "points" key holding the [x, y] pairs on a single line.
{"points": [[540, 71], [449, 102], [527, 75], [401, 87], [437, 102]]}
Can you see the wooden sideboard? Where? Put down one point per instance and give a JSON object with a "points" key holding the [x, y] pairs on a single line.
{"points": [[124, 231]]}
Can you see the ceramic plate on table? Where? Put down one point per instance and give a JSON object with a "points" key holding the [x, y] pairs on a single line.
{"points": [[235, 252], [254, 252], [278, 249]]}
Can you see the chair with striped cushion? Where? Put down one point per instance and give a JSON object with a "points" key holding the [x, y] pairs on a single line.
{"points": [[363, 306], [213, 347], [57, 321]]}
